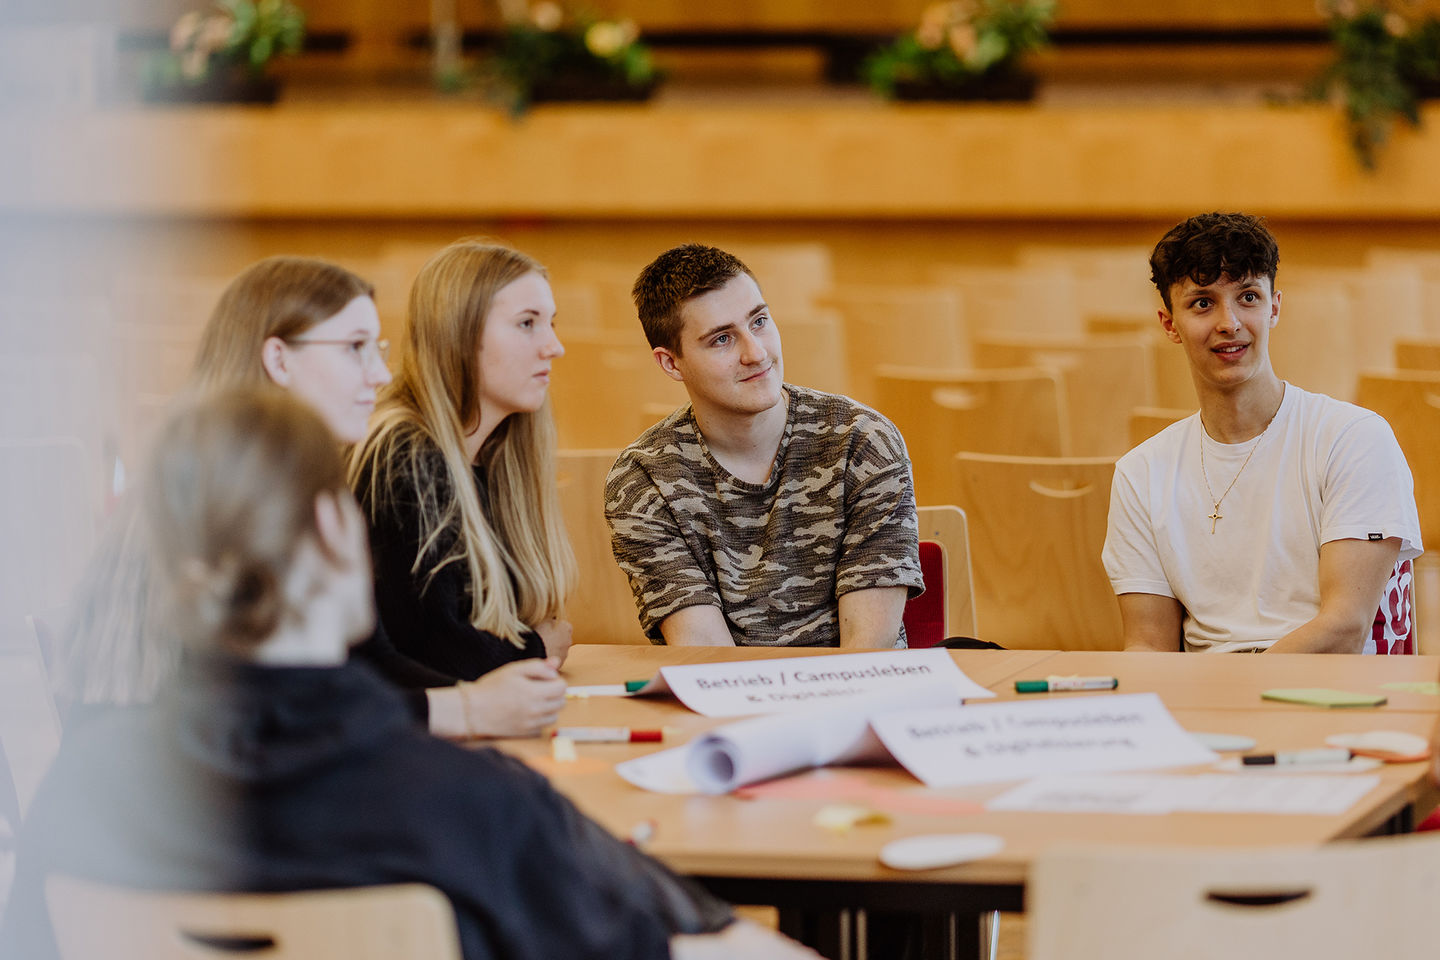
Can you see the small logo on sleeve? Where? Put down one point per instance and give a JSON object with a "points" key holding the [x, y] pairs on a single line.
{"points": [[1375, 536]]}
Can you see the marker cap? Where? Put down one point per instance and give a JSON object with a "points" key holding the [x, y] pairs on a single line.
{"points": [[1032, 686]]}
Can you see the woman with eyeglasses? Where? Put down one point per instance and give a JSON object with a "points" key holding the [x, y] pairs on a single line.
{"points": [[272, 764], [457, 476], [311, 328]]}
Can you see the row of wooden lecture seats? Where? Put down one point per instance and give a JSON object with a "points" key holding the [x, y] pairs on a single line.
{"points": [[1064, 308]]}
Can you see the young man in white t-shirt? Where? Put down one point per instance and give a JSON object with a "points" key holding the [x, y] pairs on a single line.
{"points": [[1274, 519]]}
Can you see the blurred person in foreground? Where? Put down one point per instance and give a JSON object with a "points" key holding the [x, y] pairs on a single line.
{"points": [[271, 763]]}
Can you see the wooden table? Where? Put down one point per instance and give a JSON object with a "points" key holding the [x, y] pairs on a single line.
{"points": [[769, 851]]}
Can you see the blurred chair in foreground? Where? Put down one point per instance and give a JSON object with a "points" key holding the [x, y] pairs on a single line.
{"points": [[97, 922], [1343, 900]]}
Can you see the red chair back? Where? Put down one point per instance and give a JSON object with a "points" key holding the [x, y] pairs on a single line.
{"points": [[924, 616]]}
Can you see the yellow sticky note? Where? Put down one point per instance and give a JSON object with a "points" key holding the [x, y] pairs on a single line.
{"points": [[1324, 697], [843, 817]]}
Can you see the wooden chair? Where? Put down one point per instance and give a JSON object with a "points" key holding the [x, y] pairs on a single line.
{"points": [[947, 607], [1335, 902], [1173, 385], [939, 412], [94, 921], [1312, 345], [1104, 378], [898, 326], [1385, 303], [1145, 422], [602, 609], [1414, 353], [600, 385], [1107, 278], [1410, 401], [1015, 301], [1037, 527], [794, 277], [814, 352], [1427, 264]]}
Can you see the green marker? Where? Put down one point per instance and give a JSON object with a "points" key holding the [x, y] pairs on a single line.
{"points": [[1055, 684], [633, 686]]}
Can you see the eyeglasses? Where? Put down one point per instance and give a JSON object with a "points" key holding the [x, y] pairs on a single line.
{"points": [[360, 350]]}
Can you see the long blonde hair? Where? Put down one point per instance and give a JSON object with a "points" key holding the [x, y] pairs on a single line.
{"points": [[508, 533], [229, 498], [117, 648]]}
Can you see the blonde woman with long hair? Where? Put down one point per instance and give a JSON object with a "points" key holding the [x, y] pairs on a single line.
{"points": [[457, 476], [311, 328]]}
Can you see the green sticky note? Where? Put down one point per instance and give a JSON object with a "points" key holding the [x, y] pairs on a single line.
{"points": [[1427, 687], [1323, 697]]}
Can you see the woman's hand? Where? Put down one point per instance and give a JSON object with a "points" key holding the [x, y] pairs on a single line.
{"points": [[556, 635], [517, 700]]}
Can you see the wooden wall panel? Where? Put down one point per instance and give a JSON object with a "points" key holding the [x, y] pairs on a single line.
{"points": [[725, 161]]}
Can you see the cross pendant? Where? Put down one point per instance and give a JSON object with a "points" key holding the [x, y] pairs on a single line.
{"points": [[1213, 517]]}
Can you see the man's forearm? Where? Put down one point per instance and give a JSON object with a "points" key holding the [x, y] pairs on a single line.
{"points": [[870, 619], [1324, 634], [698, 626]]}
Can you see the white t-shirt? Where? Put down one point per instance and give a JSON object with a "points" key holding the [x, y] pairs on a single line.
{"points": [[1325, 470]]}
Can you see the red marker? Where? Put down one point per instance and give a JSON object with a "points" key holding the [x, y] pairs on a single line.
{"points": [[609, 735]]}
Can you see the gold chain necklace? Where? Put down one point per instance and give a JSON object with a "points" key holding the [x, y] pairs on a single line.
{"points": [[1214, 516]]}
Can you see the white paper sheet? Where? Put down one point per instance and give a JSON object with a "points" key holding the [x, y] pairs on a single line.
{"points": [[740, 688], [1206, 793], [1019, 740], [660, 772], [763, 748]]}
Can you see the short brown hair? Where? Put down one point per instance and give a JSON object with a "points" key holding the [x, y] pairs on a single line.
{"points": [[674, 278], [1213, 246]]}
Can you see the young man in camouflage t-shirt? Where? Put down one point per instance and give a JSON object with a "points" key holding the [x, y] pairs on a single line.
{"points": [[763, 514]]}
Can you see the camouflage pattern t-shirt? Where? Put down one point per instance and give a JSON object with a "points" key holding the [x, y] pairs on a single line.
{"points": [[837, 514]]}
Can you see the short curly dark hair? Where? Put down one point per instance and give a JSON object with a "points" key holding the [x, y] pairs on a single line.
{"points": [[1214, 246], [674, 278]]}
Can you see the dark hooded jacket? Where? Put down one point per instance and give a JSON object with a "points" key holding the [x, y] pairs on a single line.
{"points": [[273, 779]]}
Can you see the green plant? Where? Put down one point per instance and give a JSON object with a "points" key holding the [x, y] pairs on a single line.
{"points": [[234, 34], [552, 44], [959, 41], [1383, 58]]}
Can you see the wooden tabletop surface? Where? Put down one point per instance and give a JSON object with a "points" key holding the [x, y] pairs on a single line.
{"points": [[774, 837]]}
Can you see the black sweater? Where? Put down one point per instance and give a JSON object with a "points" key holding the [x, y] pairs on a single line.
{"points": [[273, 779], [428, 618]]}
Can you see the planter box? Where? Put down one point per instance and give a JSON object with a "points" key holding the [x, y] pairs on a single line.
{"points": [[217, 87], [999, 87]]}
